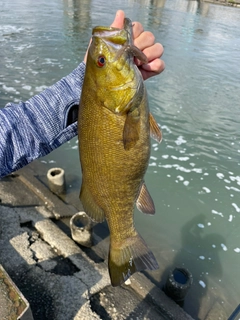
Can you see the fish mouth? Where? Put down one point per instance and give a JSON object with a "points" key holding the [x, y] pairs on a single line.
{"points": [[110, 34], [121, 48], [114, 39], [116, 35], [120, 40]]}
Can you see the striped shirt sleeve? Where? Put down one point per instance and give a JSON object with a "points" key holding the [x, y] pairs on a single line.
{"points": [[32, 129]]}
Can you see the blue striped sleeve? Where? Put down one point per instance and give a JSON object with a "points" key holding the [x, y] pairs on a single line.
{"points": [[32, 129]]}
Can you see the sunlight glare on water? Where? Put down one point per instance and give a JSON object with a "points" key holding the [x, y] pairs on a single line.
{"points": [[194, 174]]}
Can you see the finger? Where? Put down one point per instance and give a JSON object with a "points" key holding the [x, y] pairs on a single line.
{"points": [[137, 29], [144, 40], [151, 69], [119, 20], [153, 52]]}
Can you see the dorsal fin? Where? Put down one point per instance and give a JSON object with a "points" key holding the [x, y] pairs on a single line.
{"points": [[155, 131], [144, 201]]}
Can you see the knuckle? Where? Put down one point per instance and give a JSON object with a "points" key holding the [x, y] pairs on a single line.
{"points": [[151, 37]]}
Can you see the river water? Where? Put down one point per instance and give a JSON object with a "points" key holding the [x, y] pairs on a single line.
{"points": [[194, 174]]}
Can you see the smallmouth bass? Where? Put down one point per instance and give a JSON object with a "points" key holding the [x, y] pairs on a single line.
{"points": [[114, 127]]}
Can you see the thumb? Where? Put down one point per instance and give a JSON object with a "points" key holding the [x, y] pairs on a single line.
{"points": [[117, 23], [119, 20]]}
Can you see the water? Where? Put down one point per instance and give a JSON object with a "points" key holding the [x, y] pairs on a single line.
{"points": [[193, 175]]}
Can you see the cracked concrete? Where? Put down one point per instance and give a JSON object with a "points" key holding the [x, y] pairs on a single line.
{"points": [[60, 279], [33, 264]]}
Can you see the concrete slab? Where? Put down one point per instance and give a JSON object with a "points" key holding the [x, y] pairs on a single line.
{"points": [[13, 192], [60, 279], [217, 312], [30, 176], [51, 294]]}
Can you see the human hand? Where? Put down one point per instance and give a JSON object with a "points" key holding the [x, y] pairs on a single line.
{"points": [[145, 41]]}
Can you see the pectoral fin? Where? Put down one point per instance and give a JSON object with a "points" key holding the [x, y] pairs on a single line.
{"points": [[155, 131], [90, 206], [130, 130], [144, 201]]}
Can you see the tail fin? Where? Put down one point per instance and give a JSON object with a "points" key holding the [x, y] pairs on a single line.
{"points": [[130, 257]]}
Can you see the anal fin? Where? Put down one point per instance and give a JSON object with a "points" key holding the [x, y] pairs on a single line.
{"points": [[144, 201], [155, 131], [90, 206]]}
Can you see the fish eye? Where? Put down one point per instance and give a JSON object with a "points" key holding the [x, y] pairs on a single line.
{"points": [[101, 61]]}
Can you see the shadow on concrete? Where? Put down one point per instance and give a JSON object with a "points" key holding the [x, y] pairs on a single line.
{"points": [[123, 301]]}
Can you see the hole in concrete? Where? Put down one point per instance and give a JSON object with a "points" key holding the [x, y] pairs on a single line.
{"points": [[27, 224], [81, 221], [13, 175], [55, 172]]}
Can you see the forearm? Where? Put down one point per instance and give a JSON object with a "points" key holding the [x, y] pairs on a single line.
{"points": [[32, 129]]}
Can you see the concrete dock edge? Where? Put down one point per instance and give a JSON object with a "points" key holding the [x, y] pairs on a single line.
{"points": [[59, 279]]}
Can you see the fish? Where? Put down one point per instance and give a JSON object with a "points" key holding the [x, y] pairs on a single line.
{"points": [[114, 128]]}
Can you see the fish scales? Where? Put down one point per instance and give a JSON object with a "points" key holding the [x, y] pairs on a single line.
{"points": [[109, 150], [114, 144]]}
